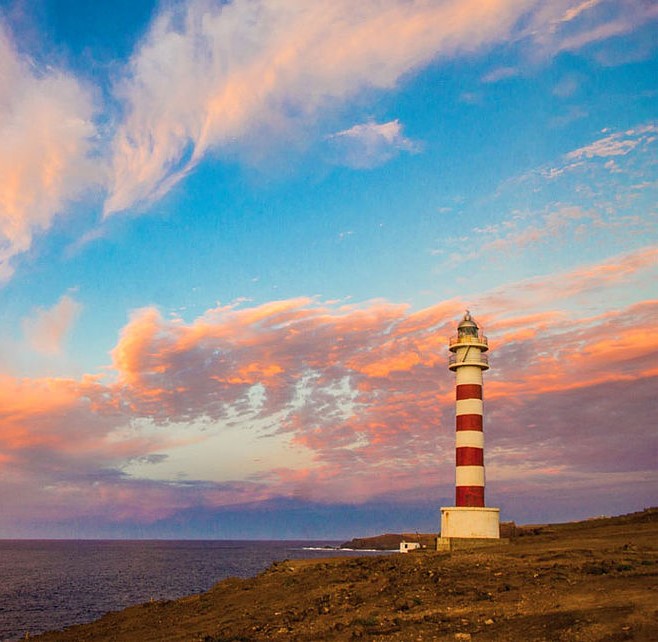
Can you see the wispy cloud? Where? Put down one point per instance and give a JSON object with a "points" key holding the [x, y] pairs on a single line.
{"points": [[616, 144], [573, 113], [567, 86], [371, 144], [627, 146], [47, 131], [249, 72], [247, 75], [575, 11], [573, 25], [516, 234], [500, 73], [606, 189], [543, 293], [246, 69]]}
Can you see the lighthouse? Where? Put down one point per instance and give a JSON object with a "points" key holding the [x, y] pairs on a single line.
{"points": [[469, 518]]}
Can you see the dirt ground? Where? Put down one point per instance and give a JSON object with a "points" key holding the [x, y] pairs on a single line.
{"points": [[594, 580]]}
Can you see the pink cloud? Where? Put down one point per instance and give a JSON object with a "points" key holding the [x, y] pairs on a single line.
{"points": [[63, 447], [46, 330], [71, 417], [511, 235], [46, 131], [260, 58], [572, 353], [540, 292], [575, 11], [571, 25]]}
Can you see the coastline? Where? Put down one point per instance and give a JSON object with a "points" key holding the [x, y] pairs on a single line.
{"points": [[591, 580], [388, 541], [52, 584]]}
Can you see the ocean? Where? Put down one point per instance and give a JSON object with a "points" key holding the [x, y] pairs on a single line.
{"points": [[50, 584]]}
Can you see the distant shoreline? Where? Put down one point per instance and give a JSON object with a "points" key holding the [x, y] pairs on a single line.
{"points": [[387, 541]]}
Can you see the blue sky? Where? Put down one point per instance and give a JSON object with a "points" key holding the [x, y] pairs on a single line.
{"points": [[235, 237]]}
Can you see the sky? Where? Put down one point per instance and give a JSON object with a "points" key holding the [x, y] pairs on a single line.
{"points": [[236, 236]]}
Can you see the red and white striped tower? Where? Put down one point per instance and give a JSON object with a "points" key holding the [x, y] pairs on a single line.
{"points": [[469, 518], [468, 362]]}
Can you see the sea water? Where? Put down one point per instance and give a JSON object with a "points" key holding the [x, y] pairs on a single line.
{"points": [[50, 584]]}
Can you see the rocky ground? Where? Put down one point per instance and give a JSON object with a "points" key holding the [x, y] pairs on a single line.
{"points": [[594, 580]]}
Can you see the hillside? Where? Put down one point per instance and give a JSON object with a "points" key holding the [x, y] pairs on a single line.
{"points": [[593, 580], [388, 541]]}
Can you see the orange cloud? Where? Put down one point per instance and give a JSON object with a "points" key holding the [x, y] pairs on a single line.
{"points": [[576, 353], [364, 389]]}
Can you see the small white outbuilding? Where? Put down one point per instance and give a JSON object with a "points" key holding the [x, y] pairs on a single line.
{"points": [[405, 547]]}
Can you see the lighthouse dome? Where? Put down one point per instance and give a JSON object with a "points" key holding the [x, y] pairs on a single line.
{"points": [[467, 326], [468, 342]]}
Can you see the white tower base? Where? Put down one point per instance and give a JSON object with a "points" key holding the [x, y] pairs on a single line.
{"points": [[470, 522]]}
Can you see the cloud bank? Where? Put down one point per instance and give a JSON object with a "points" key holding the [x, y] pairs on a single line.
{"points": [[363, 389]]}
